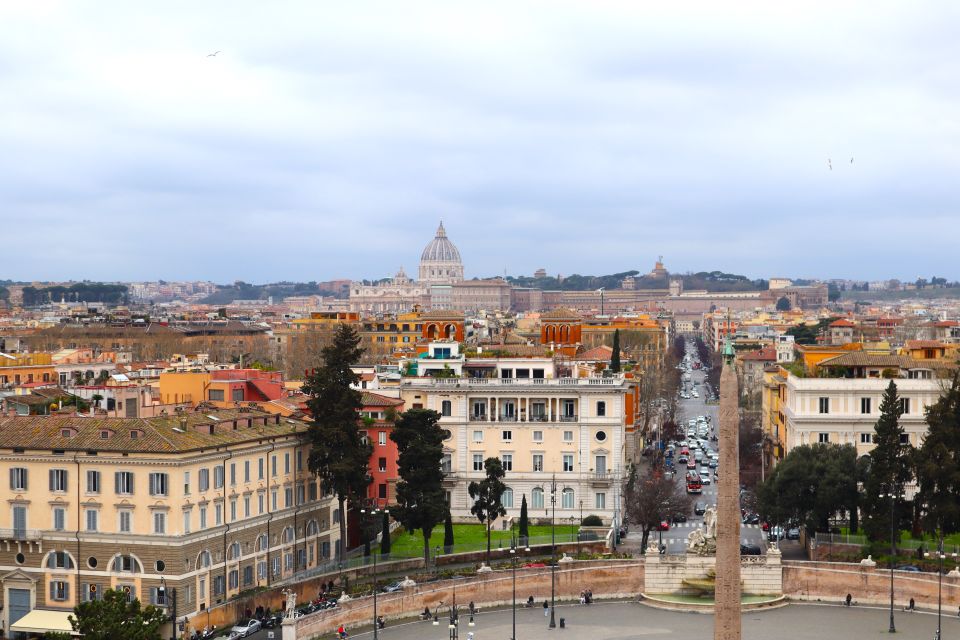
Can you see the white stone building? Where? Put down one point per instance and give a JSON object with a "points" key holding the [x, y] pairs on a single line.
{"points": [[541, 427]]}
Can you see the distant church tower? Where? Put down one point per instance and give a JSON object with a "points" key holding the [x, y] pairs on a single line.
{"points": [[440, 262]]}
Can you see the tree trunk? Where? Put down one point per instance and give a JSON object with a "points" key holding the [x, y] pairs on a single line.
{"points": [[488, 543], [426, 552], [643, 540], [343, 528]]}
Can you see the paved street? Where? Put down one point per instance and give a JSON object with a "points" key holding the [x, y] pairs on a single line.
{"points": [[626, 621], [675, 538]]}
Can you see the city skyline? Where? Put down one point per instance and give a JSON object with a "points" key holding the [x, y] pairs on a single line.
{"points": [[583, 139]]}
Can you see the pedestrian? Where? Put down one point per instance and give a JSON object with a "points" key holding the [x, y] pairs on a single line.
{"points": [[341, 632], [545, 609], [380, 622], [849, 599], [583, 597], [473, 609]]}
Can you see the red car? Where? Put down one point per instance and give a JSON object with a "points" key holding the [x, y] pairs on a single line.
{"points": [[663, 526], [765, 526]]}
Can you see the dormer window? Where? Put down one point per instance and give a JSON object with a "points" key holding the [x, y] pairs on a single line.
{"points": [[134, 434], [68, 433], [104, 434]]}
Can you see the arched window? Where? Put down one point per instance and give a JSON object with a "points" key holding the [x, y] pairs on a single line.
{"points": [[567, 498], [262, 543], [59, 560], [204, 560], [312, 528], [506, 498], [451, 331], [536, 498], [287, 536], [233, 552], [126, 564]]}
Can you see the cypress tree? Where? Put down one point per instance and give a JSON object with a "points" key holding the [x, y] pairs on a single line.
{"points": [[889, 468], [448, 534], [385, 535], [615, 356], [938, 464], [421, 502], [338, 455], [524, 522]]}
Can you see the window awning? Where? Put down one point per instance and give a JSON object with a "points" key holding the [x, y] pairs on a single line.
{"points": [[43, 620]]}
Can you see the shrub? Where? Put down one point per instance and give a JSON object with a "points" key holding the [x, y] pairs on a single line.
{"points": [[592, 521]]}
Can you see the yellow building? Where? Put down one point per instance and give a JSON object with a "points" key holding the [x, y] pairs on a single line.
{"points": [[26, 367], [643, 339], [213, 503], [771, 415]]}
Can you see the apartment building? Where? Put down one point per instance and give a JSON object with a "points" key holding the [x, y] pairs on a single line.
{"points": [[540, 426], [212, 503]]}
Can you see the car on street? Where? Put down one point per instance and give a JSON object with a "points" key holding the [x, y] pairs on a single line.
{"points": [[751, 518], [663, 526], [705, 479], [775, 533], [749, 549], [245, 628], [699, 508], [793, 533], [679, 517], [393, 586]]}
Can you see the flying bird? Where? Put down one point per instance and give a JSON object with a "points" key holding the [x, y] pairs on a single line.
{"points": [[212, 55], [851, 160], [830, 164]]}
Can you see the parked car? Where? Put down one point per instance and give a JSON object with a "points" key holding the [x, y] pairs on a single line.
{"points": [[909, 567], [679, 517], [793, 533], [749, 549], [699, 509], [246, 628], [775, 533], [663, 526], [393, 586]]}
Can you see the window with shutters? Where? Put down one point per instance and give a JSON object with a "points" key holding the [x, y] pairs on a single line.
{"points": [[93, 520], [276, 565], [288, 497], [273, 465], [59, 518], [218, 477], [59, 590], [158, 596], [59, 560], [203, 518], [93, 481], [125, 518], [286, 462], [246, 471], [124, 564], [129, 590], [260, 466], [299, 460], [203, 479], [123, 483], [247, 575], [262, 570], [312, 491], [90, 592], [538, 462], [233, 474], [186, 483], [159, 522], [234, 578], [58, 480], [233, 509], [246, 506], [19, 521], [187, 513], [18, 479], [218, 514], [218, 585], [158, 484], [215, 395]]}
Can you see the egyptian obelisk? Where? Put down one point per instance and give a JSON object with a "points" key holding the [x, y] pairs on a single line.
{"points": [[726, 625]]}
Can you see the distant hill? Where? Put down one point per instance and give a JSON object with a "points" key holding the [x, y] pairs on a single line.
{"points": [[278, 290]]}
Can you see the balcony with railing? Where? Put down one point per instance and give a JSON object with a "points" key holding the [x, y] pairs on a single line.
{"points": [[596, 381], [20, 535]]}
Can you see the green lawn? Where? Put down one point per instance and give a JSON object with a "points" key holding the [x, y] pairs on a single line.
{"points": [[473, 537]]}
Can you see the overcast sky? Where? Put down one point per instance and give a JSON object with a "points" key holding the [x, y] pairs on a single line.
{"points": [[327, 139]]}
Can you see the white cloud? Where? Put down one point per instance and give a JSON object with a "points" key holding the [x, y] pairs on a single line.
{"points": [[327, 139]]}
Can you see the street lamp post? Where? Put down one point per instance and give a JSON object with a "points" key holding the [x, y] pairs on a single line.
{"points": [[373, 513], [553, 557], [940, 556], [893, 550]]}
